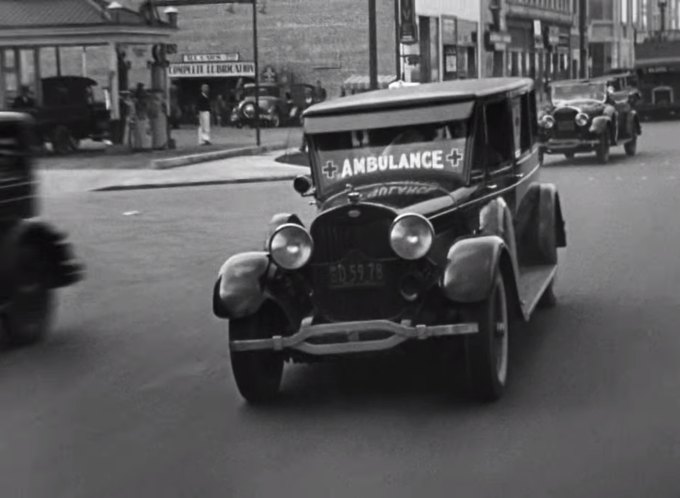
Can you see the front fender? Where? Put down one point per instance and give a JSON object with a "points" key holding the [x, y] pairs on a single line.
{"points": [[599, 124], [471, 268], [239, 290], [278, 220]]}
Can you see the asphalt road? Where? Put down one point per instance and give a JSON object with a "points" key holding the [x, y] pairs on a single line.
{"points": [[133, 396]]}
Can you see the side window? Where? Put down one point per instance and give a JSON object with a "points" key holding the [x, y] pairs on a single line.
{"points": [[499, 147], [524, 124]]}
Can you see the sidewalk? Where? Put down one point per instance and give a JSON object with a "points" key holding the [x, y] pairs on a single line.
{"points": [[55, 182], [97, 156]]}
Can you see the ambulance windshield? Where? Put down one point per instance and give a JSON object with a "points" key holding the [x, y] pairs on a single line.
{"points": [[376, 160]]}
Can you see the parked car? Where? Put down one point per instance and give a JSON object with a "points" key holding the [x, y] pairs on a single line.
{"points": [[69, 113], [432, 229], [590, 115], [35, 258], [278, 106]]}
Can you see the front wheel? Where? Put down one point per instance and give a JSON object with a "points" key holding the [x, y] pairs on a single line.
{"points": [[569, 155], [276, 120], [603, 148], [257, 374], [631, 147], [29, 313], [487, 350]]}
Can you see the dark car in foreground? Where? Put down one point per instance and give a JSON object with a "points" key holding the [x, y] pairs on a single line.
{"points": [[589, 116], [433, 232], [35, 258]]}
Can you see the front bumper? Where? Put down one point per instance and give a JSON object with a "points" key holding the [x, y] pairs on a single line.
{"points": [[560, 146], [352, 337]]}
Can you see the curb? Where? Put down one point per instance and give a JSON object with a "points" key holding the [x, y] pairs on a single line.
{"points": [[176, 162], [149, 186]]}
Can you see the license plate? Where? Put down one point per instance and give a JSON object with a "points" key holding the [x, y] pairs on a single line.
{"points": [[565, 126], [367, 274]]}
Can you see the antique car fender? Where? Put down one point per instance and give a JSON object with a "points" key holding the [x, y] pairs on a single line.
{"points": [[278, 220], [540, 225], [600, 124], [471, 268], [64, 269], [239, 289]]}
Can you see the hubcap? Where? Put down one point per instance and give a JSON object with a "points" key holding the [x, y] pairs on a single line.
{"points": [[501, 335]]}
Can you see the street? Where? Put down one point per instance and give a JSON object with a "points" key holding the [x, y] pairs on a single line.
{"points": [[132, 396]]}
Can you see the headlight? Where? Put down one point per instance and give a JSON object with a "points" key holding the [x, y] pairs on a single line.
{"points": [[411, 236], [547, 121], [290, 246], [249, 110], [582, 119]]}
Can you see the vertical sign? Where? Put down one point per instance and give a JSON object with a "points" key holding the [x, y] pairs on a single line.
{"points": [[408, 29]]}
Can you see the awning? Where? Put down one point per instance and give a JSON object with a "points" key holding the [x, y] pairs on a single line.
{"points": [[362, 83]]}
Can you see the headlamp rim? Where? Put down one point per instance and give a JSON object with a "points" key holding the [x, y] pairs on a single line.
{"points": [[285, 226], [403, 216]]}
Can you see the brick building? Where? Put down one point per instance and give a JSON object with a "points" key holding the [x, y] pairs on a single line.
{"points": [[532, 38], [299, 41]]}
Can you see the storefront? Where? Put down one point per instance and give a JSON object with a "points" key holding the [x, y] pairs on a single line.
{"points": [[224, 73], [458, 48]]}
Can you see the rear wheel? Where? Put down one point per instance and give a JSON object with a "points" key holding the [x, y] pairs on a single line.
{"points": [[631, 147], [257, 374], [487, 350], [603, 148], [29, 313]]}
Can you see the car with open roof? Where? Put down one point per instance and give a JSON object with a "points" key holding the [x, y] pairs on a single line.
{"points": [[591, 115], [432, 233]]}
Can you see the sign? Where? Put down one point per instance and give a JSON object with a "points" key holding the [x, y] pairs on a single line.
{"points": [[269, 75], [212, 70], [450, 59], [232, 57], [408, 29], [538, 34], [498, 40], [553, 35], [371, 165]]}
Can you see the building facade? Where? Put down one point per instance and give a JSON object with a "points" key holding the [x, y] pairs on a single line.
{"points": [[444, 46], [530, 38], [612, 35]]}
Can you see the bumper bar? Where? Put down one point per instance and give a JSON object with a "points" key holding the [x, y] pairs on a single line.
{"points": [[346, 337]]}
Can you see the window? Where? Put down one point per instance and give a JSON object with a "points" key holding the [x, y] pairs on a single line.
{"points": [[498, 147], [624, 11], [602, 10]]}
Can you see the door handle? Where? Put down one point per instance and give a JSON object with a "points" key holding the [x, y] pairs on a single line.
{"points": [[519, 175], [492, 186]]}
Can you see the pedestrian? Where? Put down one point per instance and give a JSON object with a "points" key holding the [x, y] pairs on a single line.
{"points": [[203, 108], [319, 92], [24, 99]]}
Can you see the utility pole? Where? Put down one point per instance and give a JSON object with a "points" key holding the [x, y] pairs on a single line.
{"points": [[257, 77], [372, 46], [582, 32]]}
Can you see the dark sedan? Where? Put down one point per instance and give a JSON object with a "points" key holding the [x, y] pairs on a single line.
{"points": [[588, 116]]}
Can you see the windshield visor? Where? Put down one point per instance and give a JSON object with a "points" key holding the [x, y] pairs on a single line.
{"points": [[581, 91], [424, 154]]}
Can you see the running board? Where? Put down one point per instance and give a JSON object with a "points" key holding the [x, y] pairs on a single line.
{"points": [[533, 281]]}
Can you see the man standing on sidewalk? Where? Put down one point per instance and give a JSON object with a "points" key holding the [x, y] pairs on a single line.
{"points": [[203, 108]]}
